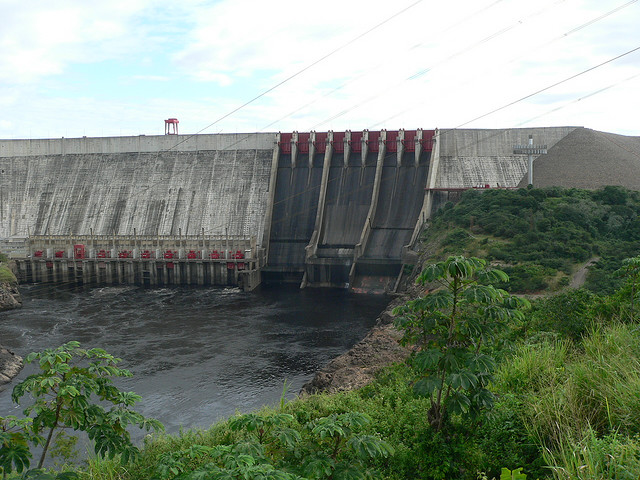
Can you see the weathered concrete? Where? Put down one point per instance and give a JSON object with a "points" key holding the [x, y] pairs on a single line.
{"points": [[470, 157], [139, 144], [161, 193], [478, 157]]}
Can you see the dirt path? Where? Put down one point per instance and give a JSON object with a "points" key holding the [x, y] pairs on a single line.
{"points": [[580, 276]]}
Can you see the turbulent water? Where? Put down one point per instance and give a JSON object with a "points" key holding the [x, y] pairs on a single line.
{"points": [[198, 355]]}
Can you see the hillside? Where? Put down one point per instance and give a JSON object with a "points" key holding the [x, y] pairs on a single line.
{"points": [[539, 236]]}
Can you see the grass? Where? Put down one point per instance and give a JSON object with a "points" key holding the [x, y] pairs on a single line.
{"points": [[6, 275]]}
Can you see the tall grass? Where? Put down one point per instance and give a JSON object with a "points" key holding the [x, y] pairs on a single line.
{"points": [[592, 457], [582, 403]]}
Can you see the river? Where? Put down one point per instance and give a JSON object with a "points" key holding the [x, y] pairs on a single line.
{"points": [[198, 355]]}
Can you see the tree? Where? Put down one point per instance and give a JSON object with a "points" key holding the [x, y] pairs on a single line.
{"points": [[448, 329], [15, 436], [331, 447], [74, 390], [630, 271]]}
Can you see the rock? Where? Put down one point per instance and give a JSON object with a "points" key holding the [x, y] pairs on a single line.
{"points": [[9, 297], [358, 366], [10, 366]]}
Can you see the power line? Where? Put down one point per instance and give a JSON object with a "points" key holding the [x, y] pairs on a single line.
{"points": [[592, 94], [300, 72], [549, 87], [445, 60], [528, 53]]}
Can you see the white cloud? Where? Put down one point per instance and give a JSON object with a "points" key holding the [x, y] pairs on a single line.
{"points": [[434, 65], [41, 38]]}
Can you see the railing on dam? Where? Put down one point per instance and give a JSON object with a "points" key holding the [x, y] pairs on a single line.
{"points": [[120, 243], [142, 260]]}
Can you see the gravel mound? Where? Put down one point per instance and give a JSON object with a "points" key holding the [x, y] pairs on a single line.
{"points": [[589, 159]]}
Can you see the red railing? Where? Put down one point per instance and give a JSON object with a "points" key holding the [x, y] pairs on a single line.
{"points": [[338, 142], [285, 143], [320, 142], [392, 141], [303, 143]]}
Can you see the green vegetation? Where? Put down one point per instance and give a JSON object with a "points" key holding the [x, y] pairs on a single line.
{"points": [[448, 329], [71, 391], [492, 390], [538, 235], [6, 275]]}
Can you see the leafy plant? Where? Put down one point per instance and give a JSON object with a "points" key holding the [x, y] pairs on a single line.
{"points": [[332, 448], [515, 474], [448, 327], [630, 271], [72, 391], [332, 437], [15, 437]]}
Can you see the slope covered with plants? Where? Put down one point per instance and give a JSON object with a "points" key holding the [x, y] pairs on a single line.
{"points": [[539, 235], [496, 386]]}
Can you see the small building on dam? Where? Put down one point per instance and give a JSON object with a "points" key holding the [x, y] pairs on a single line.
{"points": [[321, 209]]}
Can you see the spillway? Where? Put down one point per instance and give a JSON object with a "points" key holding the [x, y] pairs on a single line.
{"points": [[317, 208]]}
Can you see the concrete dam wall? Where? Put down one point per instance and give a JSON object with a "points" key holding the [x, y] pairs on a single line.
{"points": [[322, 209], [114, 191]]}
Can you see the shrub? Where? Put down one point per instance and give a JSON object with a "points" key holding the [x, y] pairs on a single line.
{"points": [[568, 313], [69, 393], [7, 276]]}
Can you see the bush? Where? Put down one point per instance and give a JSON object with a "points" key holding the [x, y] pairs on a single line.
{"points": [[7, 276], [569, 313], [527, 278], [457, 239]]}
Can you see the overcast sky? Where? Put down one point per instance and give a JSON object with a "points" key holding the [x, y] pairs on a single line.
{"points": [[120, 67]]}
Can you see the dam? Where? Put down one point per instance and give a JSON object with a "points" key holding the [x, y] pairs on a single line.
{"points": [[320, 209]]}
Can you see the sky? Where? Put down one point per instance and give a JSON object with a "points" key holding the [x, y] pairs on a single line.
{"points": [[75, 68]]}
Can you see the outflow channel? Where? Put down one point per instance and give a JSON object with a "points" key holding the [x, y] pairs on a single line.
{"points": [[197, 355]]}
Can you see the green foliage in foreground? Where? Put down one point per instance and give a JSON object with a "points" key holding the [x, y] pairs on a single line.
{"points": [[566, 390], [271, 447], [72, 390], [564, 409]]}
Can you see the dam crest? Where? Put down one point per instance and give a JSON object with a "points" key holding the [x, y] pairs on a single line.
{"points": [[322, 209]]}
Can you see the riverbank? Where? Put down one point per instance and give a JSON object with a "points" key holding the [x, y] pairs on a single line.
{"points": [[358, 367], [9, 296], [10, 366], [10, 363]]}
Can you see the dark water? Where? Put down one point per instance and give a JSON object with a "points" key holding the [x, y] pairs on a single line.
{"points": [[198, 355]]}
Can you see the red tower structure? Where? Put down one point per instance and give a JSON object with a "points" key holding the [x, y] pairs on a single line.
{"points": [[168, 124]]}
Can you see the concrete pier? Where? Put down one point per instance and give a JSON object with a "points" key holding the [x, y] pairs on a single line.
{"points": [[142, 260], [114, 271]]}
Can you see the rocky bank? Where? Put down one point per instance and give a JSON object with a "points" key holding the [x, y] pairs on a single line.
{"points": [[10, 366], [9, 297], [10, 363], [359, 365]]}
